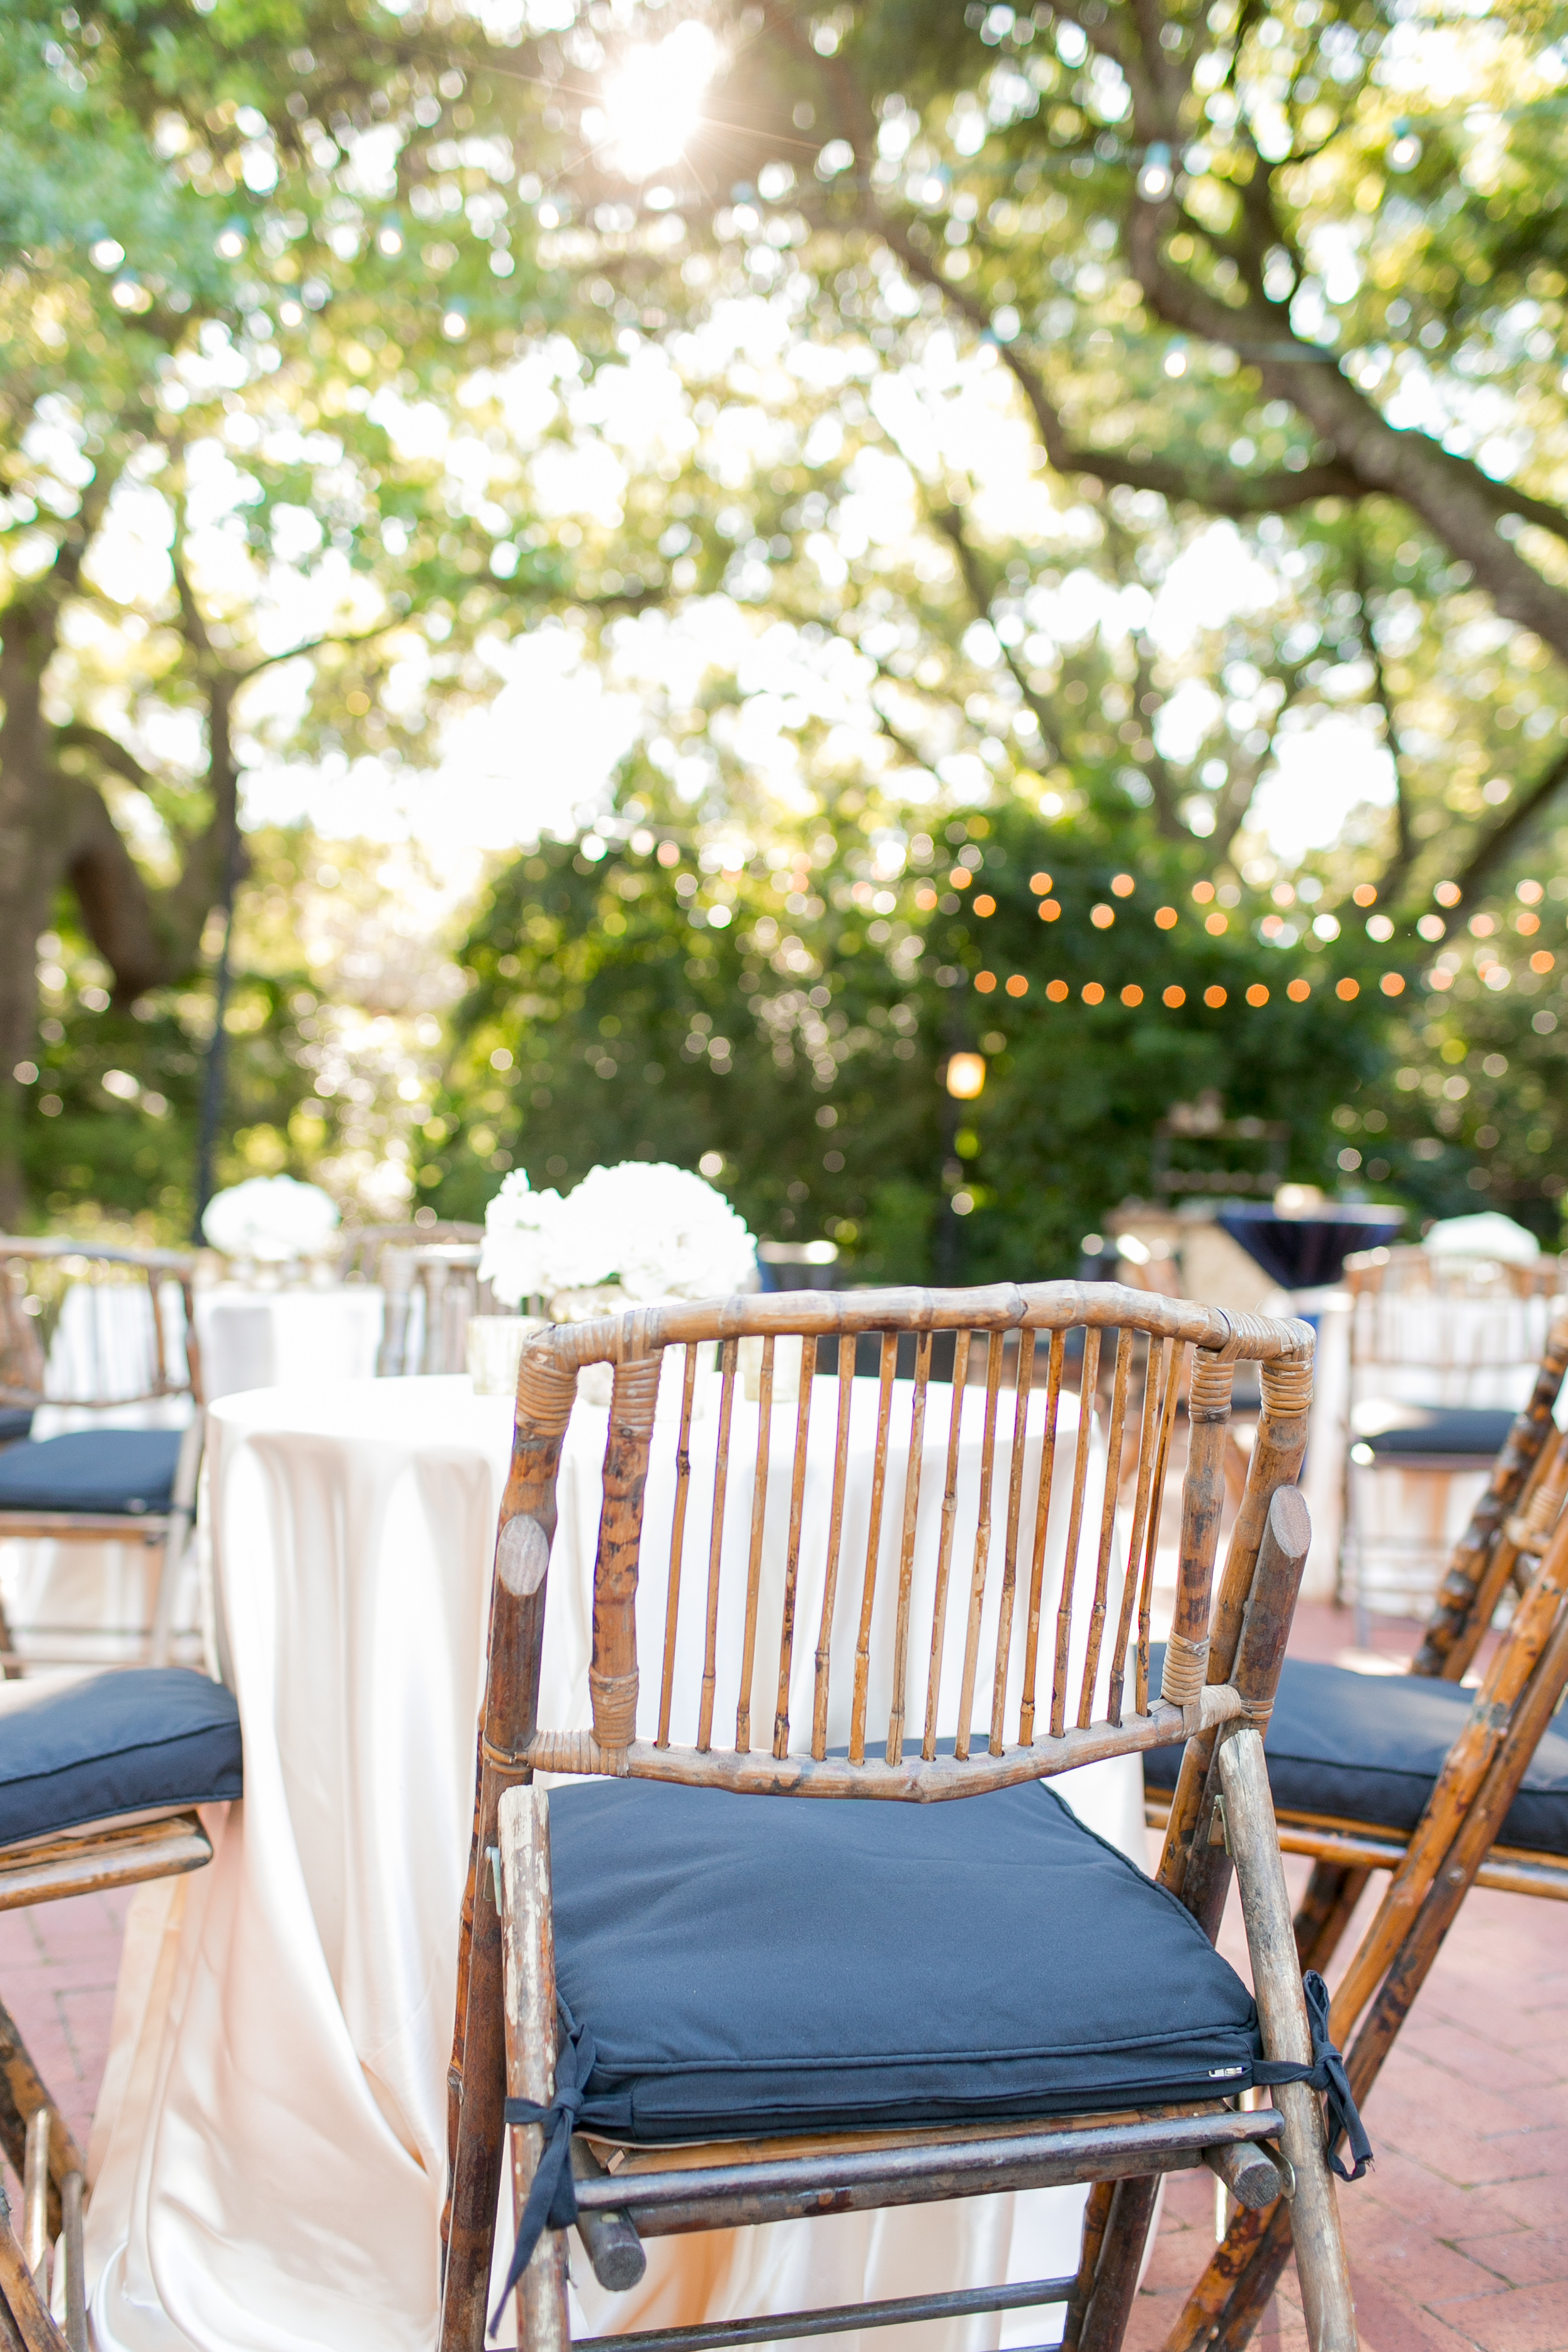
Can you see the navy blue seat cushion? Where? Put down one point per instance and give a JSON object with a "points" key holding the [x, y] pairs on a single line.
{"points": [[1367, 1748], [121, 1471], [121, 1743], [1393, 1430], [16, 1421], [763, 1965]]}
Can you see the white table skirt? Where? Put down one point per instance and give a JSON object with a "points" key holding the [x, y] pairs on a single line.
{"points": [[269, 2150]]}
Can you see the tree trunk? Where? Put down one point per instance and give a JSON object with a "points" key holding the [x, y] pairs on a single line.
{"points": [[32, 862]]}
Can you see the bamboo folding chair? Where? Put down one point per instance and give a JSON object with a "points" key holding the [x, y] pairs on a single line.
{"points": [[84, 1330], [99, 1786], [1440, 1351], [787, 2121], [1495, 1809]]}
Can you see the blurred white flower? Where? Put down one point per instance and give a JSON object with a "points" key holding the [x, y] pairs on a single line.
{"points": [[522, 1230], [271, 1218], [657, 1231], [663, 1232]]}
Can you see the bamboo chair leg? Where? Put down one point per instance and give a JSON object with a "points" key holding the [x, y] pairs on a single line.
{"points": [[1324, 1912], [1110, 2302], [73, 2198], [543, 2322], [35, 2197], [23, 2094], [476, 2143], [28, 2314], [1266, 1910]]}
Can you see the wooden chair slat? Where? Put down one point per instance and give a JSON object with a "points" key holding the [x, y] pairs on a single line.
{"points": [[1086, 1393], [1054, 1362], [906, 1546], [754, 1565], [945, 1543], [677, 1540], [1023, 1374], [792, 1557], [1175, 1354], [873, 1547], [982, 1555], [1148, 1424], [1107, 1527], [727, 1361], [835, 1541]]}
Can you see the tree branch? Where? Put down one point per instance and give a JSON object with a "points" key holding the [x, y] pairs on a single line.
{"points": [[1502, 838], [1405, 841], [77, 735], [949, 522], [117, 906]]}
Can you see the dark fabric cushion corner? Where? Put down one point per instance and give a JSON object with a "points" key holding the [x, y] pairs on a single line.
{"points": [[16, 1421], [123, 1472], [1470, 1431], [1368, 1747], [762, 1964], [121, 1743]]}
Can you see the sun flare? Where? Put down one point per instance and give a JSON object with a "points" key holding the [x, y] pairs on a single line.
{"points": [[653, 102]]}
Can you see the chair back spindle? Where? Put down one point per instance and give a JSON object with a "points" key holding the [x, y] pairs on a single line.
{"points": [[870, 1557]]}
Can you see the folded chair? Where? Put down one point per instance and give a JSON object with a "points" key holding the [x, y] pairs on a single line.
{"points": [[1441, 1349], [1443, 1788], [84, 1328], [100, 1780], [747, 2010]]}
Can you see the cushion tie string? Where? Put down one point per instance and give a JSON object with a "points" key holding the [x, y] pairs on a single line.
{"points": [[552, 2198], [1326, 2073]]}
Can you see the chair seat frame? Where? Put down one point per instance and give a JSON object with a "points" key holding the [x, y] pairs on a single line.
{"points": [[1222, 1664]]}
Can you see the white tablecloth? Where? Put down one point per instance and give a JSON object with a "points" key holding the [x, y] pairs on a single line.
{"points": [[269, 2150], [286, 1339]]}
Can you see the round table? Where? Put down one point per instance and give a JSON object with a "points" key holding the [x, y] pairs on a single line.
{"points": [[1308, 1253], [271, 2138]]}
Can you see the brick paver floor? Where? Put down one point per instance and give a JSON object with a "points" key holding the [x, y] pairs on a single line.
{"points": [[1457, 2238]]}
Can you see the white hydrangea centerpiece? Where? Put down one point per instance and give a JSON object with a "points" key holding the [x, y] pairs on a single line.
{"points": [[624, 1235], [271, 1220]]}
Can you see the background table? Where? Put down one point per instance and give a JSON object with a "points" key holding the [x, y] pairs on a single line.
{"points": [[282, 1339], [270, 2146], [1309, 1253]]}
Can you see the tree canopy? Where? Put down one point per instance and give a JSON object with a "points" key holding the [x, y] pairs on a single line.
{"points": [[1110, 424]]}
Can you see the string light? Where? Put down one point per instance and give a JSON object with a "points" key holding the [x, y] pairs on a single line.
{"points": [[1018, 985], [1165, 916], [1175, 996], [1256, 994], [985, 982], [1049, 910], [1298, 991], [1093, 993], [1056, 990], [1392, 983], [1347, 989], [1214, 996], [1132, 994]]}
